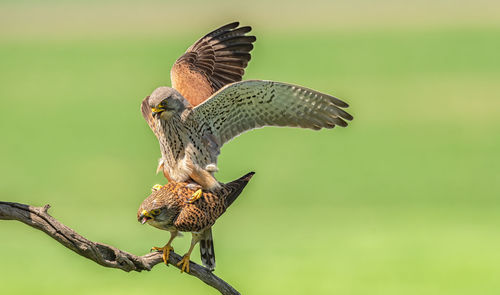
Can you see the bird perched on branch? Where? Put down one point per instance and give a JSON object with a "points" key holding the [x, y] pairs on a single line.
{"points": [[207, 106], [169, 208]]}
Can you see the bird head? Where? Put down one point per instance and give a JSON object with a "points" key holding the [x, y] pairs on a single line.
{"points": [[165, 102], [144, 215], [157, 209]]}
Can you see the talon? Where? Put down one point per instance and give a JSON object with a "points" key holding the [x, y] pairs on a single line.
{"points": [[195, 196], [156, 187], [185, 263], [166, 252]]}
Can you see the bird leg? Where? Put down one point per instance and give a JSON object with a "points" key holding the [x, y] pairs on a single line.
{"points": [[206, 180], [167, 248], [185, 259], [156, 187], [196, 195]]}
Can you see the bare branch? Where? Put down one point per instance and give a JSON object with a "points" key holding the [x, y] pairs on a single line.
{"points": [[105, 255]]}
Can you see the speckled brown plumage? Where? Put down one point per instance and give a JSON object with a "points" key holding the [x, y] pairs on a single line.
{"points": [[169, 209], [193, 217]]}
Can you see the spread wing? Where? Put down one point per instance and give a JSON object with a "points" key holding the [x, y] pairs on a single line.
{"points": [[243, 106], [217, 59]]}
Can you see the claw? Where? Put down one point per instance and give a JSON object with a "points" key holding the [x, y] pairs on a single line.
{"points": [[156, 187], [195, 196], [166, 252], [185, 263]]}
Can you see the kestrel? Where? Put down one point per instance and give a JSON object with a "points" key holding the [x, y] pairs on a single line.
{"points": [[169, 208], [199, 114]]}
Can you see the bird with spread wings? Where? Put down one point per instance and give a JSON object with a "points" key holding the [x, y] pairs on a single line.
{"points": [[208, 105]]}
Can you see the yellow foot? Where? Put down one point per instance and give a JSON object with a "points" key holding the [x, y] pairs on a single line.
{"points": [[195, 196], [156, 187], [185, 263], [166, 252]]}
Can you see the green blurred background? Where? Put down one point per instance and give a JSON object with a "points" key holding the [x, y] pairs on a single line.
{"points": [[403, 201]]}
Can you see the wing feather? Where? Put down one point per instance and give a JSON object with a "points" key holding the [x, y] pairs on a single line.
{"points": [[216, 59], [243, 106]]}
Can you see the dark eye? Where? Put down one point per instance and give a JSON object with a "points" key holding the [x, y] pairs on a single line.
{"points": [[155, 212]]}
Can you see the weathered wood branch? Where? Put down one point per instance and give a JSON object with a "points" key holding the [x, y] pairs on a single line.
{"points": [[105, 255]]}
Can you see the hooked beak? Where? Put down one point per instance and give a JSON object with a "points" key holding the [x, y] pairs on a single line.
{"points": [[157, 111], [144, 217]]}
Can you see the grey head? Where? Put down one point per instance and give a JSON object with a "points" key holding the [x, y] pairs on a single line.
{"points": [[165, 102]]}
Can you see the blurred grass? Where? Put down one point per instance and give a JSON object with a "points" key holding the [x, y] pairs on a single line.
{"points": [[403, 201]]}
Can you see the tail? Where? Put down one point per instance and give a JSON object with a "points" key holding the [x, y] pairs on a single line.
{"points": [[231, 191], [234, 188], [207, 253]]}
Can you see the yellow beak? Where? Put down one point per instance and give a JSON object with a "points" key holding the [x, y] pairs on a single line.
{"points": [[157, 110], [144, 216], [146, 213]]}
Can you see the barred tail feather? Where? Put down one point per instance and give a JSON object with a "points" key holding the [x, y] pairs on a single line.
{"points": [[207, 249]]}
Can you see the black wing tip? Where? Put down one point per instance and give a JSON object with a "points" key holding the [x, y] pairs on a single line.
{"points": [[245, 29], [343, 124], [228, 26], [233, 24], [252, 39], [248, 176], [340, 103], [242, 31], [236, 187]]}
